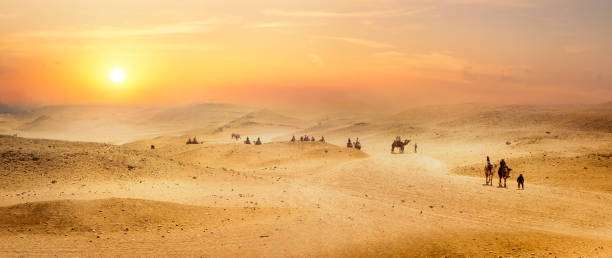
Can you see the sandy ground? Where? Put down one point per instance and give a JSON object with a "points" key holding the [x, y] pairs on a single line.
{"points": [[281, 199]]}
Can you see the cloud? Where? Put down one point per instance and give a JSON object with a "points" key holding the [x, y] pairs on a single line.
{"points": [[269, 25], [360, 42], [575, 49], [361, 14], [444, 66], [388, 54], [111, 32], [498, 3], [316, 59]]}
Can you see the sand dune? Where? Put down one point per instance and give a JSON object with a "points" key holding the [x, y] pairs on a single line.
{"points": [[226, 198]]}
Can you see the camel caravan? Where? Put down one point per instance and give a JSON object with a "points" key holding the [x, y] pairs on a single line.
{"points": [[503, 172], [191, 141], [257, 142], [356, 145], [305, 138]]}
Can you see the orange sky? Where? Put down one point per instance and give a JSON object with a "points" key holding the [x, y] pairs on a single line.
{"points": [[287, 52]]}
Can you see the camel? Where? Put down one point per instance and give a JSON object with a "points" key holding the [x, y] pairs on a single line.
{"points": [[400, 145], [489, 170], [349, 144], [236, 136], [503, 172]]}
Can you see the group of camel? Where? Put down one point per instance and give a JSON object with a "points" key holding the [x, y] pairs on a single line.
{"points": [[305, 138], [356, 145], [190, 141], [503, 173], [247, 141]]}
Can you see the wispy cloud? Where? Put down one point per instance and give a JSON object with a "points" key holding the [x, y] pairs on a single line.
{"points": [[360, 42], [388, 54], [499, 3], [269, 25], [111, 32], [575, 49], [359, 14], [316, 59]]}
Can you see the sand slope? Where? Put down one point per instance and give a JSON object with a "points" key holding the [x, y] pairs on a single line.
{"points": [[225, 198]]}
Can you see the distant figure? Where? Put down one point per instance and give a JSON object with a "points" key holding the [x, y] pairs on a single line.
{"points": [[195, 141], [521, 182], [236, 136], [313, 139], [152, 146], [247, 141], [349, 144], [301, 138], [258, 142], [357, 144], [322, 139], [415, 147], [489, 165], [293, 139], [398, 138]]}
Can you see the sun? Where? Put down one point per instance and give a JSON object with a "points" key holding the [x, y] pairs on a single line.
{"points": [[116, 75]]}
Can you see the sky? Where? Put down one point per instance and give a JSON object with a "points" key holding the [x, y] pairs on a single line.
{"points": [[316, 51]]}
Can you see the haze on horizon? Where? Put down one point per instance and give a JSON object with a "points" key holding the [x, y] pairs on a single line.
{"points": [[282, 52]]}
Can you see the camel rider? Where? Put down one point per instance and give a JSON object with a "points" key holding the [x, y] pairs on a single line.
{"points": [[398, 138], [293, 138], [312, 139], [322, 138], [349, 140], [502, 165], [489, 165]]}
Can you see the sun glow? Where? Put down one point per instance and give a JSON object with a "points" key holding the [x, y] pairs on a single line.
{"points": [[116, 75]]}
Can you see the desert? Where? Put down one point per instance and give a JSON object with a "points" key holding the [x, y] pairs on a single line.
{"points": [[68, 193]]}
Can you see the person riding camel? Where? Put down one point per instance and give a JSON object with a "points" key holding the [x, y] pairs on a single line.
{"points": [[489, 165], [322, 139], [247, 141], [398, 138], [258, 142], [312, 139], [349, 143], [502, 165], [293, 139]]}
